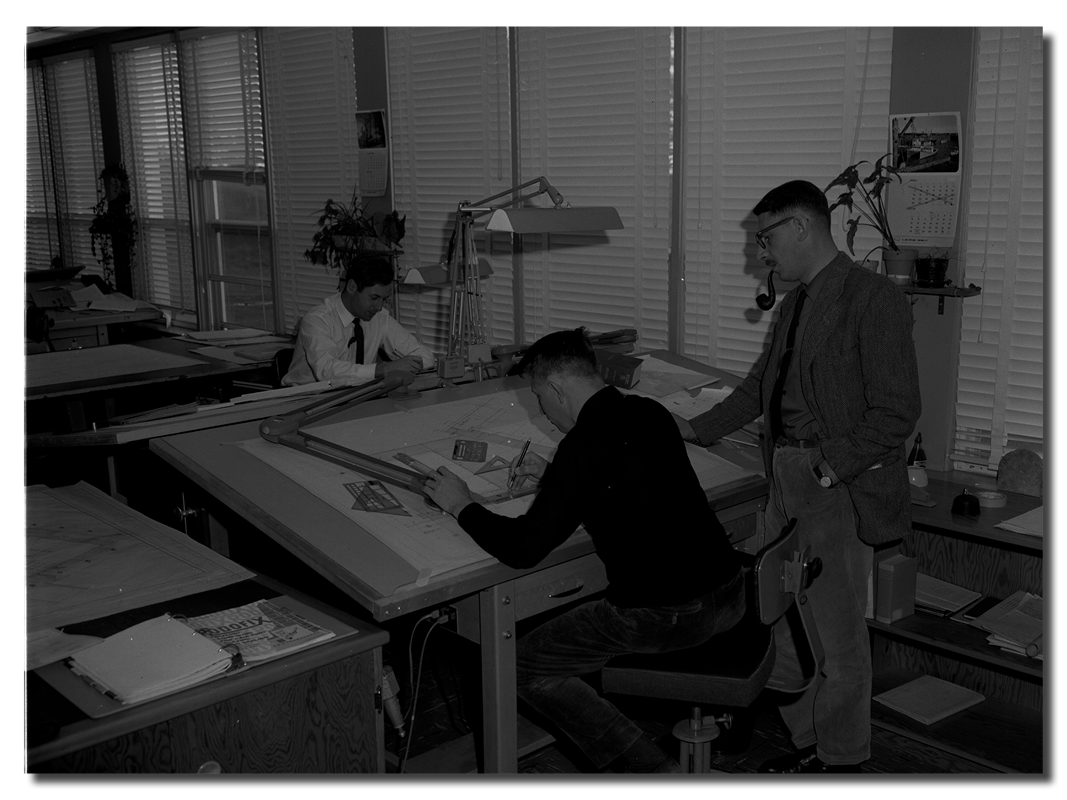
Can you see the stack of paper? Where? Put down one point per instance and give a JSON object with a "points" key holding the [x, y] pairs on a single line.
{"points": [[929, 699], [1016, 624], [940, 597], [153, 658]]}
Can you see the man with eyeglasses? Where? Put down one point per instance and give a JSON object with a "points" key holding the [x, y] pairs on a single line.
{"points": [[838, 390]]}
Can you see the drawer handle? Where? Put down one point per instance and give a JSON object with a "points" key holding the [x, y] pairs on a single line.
{"points": [[569, 592]]}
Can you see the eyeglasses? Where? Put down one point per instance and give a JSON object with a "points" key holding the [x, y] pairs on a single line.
{"points": [[761, 239]]}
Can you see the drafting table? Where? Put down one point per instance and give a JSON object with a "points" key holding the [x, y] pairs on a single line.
{"points": [[489, 596], [95, 568]]}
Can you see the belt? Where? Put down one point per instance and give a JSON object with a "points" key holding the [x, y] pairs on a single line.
{"points": [[803, 444]]}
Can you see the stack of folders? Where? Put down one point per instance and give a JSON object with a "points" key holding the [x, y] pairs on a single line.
{"points": [[153, 658], [940, 597]]}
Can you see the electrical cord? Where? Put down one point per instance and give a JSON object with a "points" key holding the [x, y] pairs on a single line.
{"points": [[415, 679]]}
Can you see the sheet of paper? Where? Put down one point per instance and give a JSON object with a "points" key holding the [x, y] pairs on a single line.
{"points": [[88, 556], [222, 354], [428, 539], [1031, 523], [83, 297], [227, 335], [688, 406], [116, 301], [660, 378]]}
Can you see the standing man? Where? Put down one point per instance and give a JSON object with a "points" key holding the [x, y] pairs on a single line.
{"points": [[673, 579], [339, 338], [838, 390]]}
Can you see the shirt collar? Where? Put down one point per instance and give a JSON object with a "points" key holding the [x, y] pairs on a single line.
{"points": [[346, 316], [812, 289]]}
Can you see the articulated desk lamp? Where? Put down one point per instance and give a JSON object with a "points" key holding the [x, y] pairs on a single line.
{"points": [[466, 331]]}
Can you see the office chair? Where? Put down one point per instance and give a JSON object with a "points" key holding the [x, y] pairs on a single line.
{"points": [[281, 361], [730, 669]]}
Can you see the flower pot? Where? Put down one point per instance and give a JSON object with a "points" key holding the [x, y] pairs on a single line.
{"points": [[899, 265], [930, 272]]}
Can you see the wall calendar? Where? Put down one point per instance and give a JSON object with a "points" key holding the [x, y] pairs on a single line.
{"points": [[923, 207]]}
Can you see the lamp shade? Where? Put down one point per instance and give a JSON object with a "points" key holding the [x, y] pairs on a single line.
{"points": [[554, 220]]}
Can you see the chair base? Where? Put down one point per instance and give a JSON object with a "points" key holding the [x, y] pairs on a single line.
{"points": [[695, 736]]}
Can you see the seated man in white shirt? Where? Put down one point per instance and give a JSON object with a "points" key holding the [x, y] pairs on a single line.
{"points": [[339, 338]]}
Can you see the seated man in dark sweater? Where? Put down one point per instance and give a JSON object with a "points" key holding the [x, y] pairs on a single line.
{"points": [[622, 471]]}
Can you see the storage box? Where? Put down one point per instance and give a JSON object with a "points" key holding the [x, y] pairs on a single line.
{"points": [[894, 596]]}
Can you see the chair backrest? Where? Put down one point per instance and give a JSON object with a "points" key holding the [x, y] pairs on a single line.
{"points": [[282, 361], [782, 575]]}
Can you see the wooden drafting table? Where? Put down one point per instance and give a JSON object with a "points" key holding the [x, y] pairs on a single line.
{"points": [[489, 596]]}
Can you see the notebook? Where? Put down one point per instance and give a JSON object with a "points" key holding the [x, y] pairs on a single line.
{"points": [[153, 658]]}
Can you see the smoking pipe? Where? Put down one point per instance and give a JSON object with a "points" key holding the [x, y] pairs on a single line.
{"points": [[766, 301]]}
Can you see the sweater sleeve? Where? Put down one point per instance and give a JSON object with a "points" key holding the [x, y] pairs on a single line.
{"points": [[555, 514]]}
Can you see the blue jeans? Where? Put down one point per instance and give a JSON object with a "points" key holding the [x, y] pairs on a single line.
{"points": [[582, 640], [834, 713]]}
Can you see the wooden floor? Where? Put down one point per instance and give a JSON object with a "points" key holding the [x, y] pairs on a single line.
{"points": [[447, 711]]}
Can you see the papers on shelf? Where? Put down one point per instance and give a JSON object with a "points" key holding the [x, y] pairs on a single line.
{"points": [[941, 596], [1018, 620], [150, 659], [1031, 523]]}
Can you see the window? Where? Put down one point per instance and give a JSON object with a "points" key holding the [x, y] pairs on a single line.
{"points": [[999, 401], [192, 125], [64, 159], [451, 137], [764, 106], [595, 115]]}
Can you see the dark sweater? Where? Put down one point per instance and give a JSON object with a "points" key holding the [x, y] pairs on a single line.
{"points": [[623, 472]]}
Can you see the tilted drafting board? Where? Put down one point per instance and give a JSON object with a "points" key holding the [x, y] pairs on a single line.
{"points": [[431, 541]]}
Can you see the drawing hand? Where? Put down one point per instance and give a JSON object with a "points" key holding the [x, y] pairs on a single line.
{"points": [[447, 490], [533, 466], [408, 364]]}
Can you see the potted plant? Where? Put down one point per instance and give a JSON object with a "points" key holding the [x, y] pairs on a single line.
{"points": [[931, 268], [346, 232], [865, 204], [114, 226]]}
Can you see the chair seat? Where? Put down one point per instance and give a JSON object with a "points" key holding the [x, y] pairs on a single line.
{"points": [[729, 669]]}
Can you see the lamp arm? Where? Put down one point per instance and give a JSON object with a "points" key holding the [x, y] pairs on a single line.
{"points": [[543, 187]]}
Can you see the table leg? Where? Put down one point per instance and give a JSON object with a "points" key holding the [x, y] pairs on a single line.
{"points": [[499, 703]]}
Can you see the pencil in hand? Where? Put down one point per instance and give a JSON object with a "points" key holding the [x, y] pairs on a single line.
{"points": [[511, 472]]}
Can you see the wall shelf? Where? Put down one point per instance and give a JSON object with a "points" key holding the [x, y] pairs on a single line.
{"points": [[944, 291]]}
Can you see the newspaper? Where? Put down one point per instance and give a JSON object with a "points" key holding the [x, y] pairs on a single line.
{"points": [[1016, 622], [259, 630]]}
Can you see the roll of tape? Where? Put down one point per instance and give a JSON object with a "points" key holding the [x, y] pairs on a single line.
{"points": [[991, 499]]}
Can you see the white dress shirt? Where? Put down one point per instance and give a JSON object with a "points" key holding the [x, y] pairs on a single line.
{"points": [[323, 352]]}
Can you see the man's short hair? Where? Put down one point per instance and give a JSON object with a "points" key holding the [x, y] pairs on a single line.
{"points": [[564, 353], [795, 196], [370, 270]]}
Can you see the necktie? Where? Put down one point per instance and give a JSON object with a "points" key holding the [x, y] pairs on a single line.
{"points": [[783, 369], [357, 337]]}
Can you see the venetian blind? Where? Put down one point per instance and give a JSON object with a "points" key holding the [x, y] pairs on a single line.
{"points": [[999, 402], [152, 134], [449, 118], [310, 95], [764, 106], [67, 154], [595, 119]]}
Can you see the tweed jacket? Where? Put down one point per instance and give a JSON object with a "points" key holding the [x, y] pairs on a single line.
{"points": [[859, 377]]}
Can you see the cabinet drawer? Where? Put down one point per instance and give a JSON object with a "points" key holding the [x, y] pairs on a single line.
{"points": [[563, 583]]}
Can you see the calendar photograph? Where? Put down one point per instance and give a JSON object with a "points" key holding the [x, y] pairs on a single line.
{"points": [[925, 142]]}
